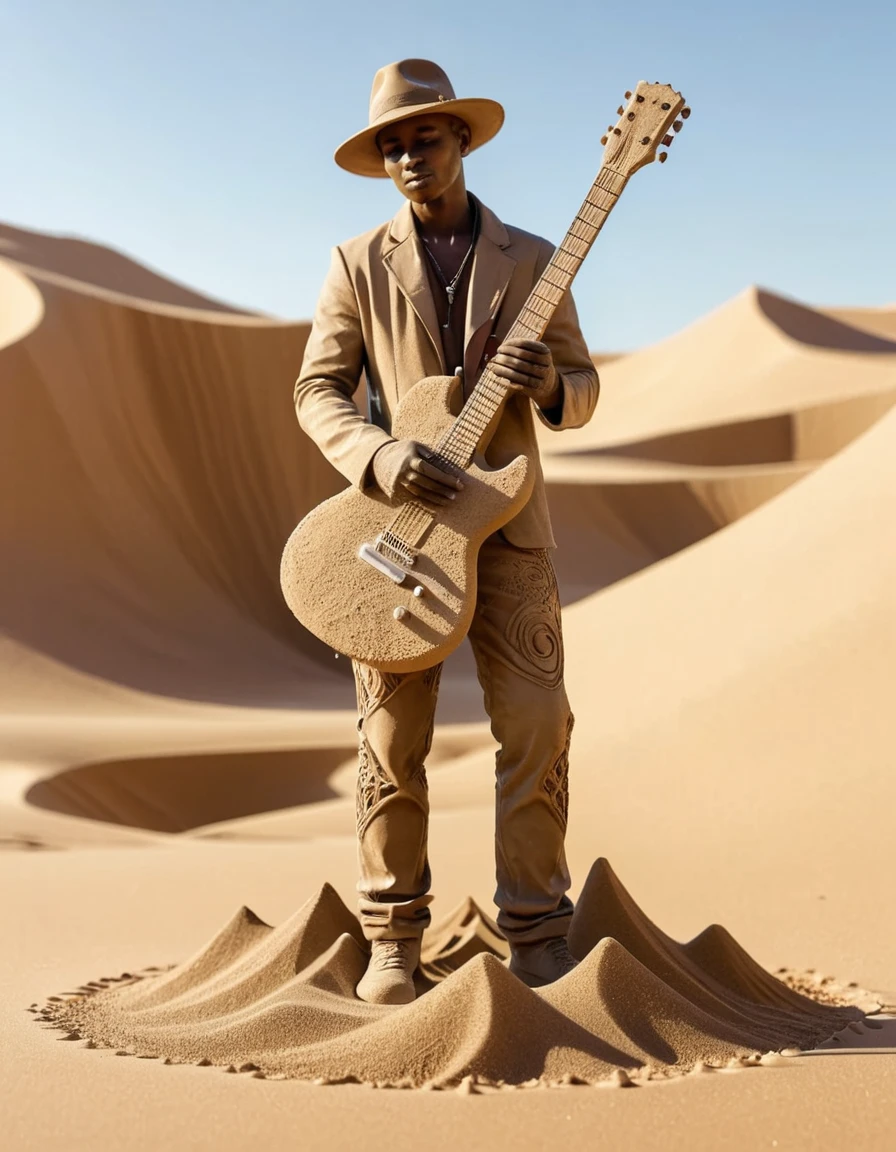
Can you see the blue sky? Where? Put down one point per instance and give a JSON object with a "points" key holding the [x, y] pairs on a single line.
{"points": [[198, 137]]}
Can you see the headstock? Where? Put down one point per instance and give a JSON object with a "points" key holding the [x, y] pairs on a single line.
{"points": [[643, 126]]}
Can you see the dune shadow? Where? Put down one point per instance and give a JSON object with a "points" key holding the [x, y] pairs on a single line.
{"points": [[178, 793], [606, 533], [803, 324], [765, 440]]}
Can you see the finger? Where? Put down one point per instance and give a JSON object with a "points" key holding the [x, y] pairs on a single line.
{"points": [[425, 496], [533, 368], [534, 347], [421, 465], [521, 378], [527, 354], [431, 484]]}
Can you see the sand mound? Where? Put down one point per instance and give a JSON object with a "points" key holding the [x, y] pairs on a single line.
{"points": [[281, 1001], [465, 933]]}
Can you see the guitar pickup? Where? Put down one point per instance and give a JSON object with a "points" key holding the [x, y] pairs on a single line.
{"points": [[376, 560]]}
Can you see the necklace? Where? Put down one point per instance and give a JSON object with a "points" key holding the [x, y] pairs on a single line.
{"points": [[451, 286]]}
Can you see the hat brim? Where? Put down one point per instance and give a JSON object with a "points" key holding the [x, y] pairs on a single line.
{"points": [[359, 154]]}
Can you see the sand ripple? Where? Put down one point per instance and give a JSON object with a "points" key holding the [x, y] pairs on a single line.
{"points": [[279, 1001]]}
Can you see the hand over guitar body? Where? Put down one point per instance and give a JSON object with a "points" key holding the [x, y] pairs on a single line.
{"points": [[393, 583]]}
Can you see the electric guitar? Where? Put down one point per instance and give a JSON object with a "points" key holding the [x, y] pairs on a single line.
{"points": [[393, 585]]}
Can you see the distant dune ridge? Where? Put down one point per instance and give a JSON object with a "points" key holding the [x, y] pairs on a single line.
{"points": [[704, 427], [173, 745], [282, 1000]]}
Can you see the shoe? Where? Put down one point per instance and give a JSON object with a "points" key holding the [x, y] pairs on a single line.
{"points": [[541, 962], [389, 978]]}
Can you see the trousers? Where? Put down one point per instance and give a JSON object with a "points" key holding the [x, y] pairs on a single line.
{"points": [[518, 645]]}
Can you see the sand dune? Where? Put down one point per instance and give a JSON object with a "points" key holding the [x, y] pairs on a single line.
{"points": [[170, 499], [705, 427], [186, 748], [88, 263], [282, 1001], [758, 356], [143, 520]]}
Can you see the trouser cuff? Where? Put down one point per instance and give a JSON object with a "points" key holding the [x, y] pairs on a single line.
{"points": [[531, 929], [394, 920]]}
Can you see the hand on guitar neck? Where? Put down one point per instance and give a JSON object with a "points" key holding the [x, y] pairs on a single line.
{"points": [[527, 366]]}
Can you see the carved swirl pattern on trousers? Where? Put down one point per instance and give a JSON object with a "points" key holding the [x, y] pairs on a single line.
{"points": [[534, 631]]}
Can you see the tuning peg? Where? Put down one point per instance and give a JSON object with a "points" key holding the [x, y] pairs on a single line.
{"points": [[604, 139], [662, 157], [628, 95], [677, 125], [685, 112], [619, 110], [667, 140]]}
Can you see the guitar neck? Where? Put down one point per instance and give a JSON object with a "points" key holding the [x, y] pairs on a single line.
{"points": [[480, 411]]}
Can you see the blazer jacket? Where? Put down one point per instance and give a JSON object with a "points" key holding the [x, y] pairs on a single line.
{"points": [[376, 314]]}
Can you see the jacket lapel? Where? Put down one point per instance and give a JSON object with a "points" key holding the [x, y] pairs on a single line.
{"points": [[491, 273], [404, 259]]}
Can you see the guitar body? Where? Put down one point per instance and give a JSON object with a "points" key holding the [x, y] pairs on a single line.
{"points": [[351, 605]]}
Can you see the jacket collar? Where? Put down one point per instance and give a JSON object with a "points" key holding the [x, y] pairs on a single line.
{"points": [[401, 226], [492, 268]]}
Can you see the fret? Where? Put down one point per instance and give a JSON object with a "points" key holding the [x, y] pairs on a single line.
{"points": [[560, 279], [584, 222], [528, 324], [575, 247], [567, 265], [592, 214], [582, 231], [600, 201], [540, 307], [545, 291], [607, 180]]}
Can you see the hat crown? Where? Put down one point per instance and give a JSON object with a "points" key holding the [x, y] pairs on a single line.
{"points": [[406, 84]]}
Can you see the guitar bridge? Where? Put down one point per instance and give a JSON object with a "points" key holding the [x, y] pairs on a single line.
{"points": [[395, 549]]}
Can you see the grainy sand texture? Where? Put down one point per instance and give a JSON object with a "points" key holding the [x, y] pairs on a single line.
{"points": [[177, 753]]}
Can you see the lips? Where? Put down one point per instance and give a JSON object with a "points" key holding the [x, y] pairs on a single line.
{"points": [[418, 181]]}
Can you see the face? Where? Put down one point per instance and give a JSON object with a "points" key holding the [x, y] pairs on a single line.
{"points": [[423, 155]]}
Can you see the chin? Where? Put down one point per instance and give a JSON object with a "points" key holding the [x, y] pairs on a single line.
{"points": [[432, 191]]}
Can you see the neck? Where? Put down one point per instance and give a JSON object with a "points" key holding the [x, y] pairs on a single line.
{"points": [[449, 214]]}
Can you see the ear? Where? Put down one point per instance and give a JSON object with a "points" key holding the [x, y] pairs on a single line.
{"points": [[464, 136]]}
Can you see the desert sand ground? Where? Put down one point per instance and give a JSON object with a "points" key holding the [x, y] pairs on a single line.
{"points": [[176, 754]]}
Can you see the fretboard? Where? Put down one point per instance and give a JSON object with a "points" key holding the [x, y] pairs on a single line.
{"points": [[466, 435]]}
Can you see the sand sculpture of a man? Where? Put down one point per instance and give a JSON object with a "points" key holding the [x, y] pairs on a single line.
{"points": [[424, 295]]}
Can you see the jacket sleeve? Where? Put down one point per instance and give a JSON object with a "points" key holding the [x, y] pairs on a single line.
{"points": [[580, 382], [331, 369]]}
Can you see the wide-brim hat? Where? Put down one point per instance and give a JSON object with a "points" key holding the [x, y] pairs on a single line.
{"points": [[411, 88]]}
